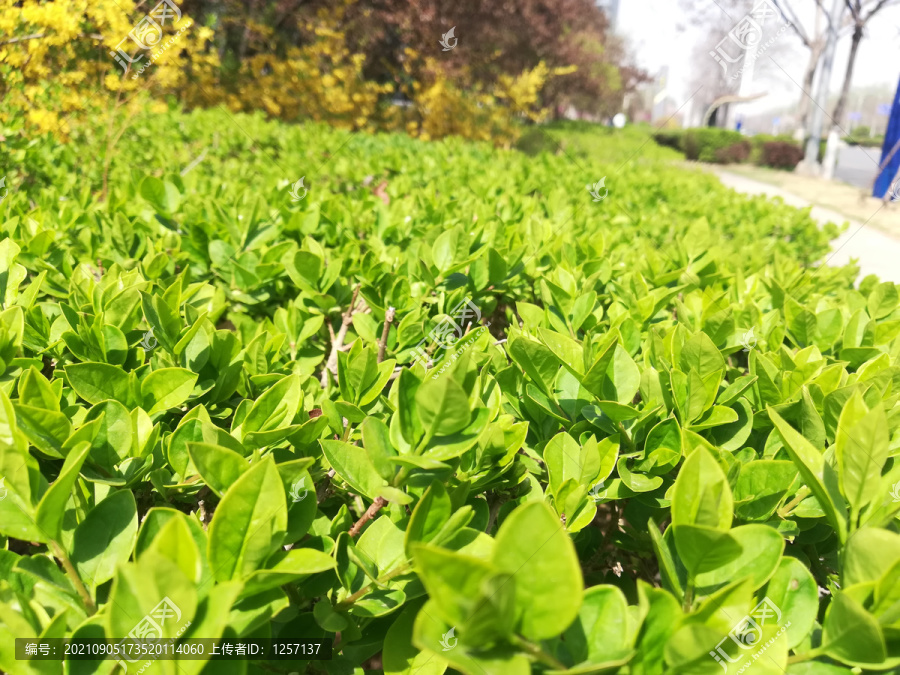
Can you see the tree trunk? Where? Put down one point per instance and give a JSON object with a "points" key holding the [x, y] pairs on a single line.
{"points": [[831, 152], [848, 75], [815, 53], [814, 132]]}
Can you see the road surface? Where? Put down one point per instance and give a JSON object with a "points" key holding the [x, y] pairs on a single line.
{"points": [[857, 165]]}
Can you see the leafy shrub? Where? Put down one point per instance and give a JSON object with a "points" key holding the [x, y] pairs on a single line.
{"points": [[590, 140], [703, 144], [734, 154], [669, 139], [54, 72], [860, 136], [759, 140], [729, 147], [781, 155], [210, 395], [536, 141]]}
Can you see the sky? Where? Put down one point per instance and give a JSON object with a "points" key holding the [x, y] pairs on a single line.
{"points": [[659, 33]]}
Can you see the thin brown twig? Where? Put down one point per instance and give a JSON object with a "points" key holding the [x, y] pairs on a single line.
{"points": [[388, 320], [367, 516], [337, 341]]}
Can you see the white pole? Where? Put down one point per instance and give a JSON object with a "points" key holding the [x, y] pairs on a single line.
{"points": [[818, 111]]}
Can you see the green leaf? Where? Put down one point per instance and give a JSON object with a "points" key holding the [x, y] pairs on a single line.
{"points": [[35, 391], [817, 474], [162, 195], [176, 542], [295, 564], [469, 592], [12, 274], [702, 495], [48, 430], [662, 617], [602, 631], [431, 632], [861, 448], [761, 549], [665, 559], [444, 249], [149, 587], [166, 388], [794, 591], [537, 361], [105, 538], [52, 507], [353, 465], [443, 407], [97, 382], [623, 377], [704, 549], [850, 634], [249, 523], [562, 455], [400, 656], [532, 545], [376, 439], [428, 517], [218, 467], [761, 487], [869, 554], [883, 300], [276, 408], [197, 431]]}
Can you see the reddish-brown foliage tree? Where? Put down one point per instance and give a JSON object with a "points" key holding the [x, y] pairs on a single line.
{"points": [[494, 38]]}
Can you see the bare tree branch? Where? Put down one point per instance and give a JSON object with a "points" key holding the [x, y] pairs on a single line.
{"points": [[878, 7], [793, 21]]}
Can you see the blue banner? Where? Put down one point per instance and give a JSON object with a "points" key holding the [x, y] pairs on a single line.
{"points": [[890, 162]]}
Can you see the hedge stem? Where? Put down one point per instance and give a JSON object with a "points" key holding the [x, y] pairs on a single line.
{"points": [[337, 341], [367, 516], [380, 581], [689, 596], [388, 320], [538, 653], [72, 573]]}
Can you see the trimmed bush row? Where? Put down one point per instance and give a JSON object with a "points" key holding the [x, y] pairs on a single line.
{"points": [[723, 146]]}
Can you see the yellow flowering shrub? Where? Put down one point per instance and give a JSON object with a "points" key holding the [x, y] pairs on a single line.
{"points": [[62, 58], [67, 58], [322, 81], [444, 105]]}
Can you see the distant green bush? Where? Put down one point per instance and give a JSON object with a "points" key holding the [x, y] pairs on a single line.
{"points": [[723, 146], [669, 139], [536, 141], [710, 145], [861, 137]]}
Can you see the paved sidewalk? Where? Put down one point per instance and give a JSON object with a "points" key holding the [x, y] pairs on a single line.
{"points": [[876, 252]]}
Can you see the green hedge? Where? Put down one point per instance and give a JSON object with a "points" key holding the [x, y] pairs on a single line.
{"points": [[724, 146], [247, 397]]}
